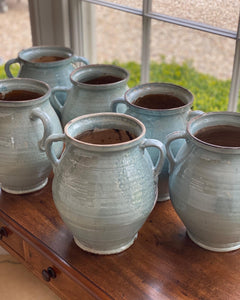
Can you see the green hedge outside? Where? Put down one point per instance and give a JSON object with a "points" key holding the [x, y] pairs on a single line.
{"points": [[14, 69], [211, 94]]}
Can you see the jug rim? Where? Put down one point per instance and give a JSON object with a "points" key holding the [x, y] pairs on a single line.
{"points": [[167, 111], [220, 115], [80, 69], [68, 51], [105, 147], [18, 84]]}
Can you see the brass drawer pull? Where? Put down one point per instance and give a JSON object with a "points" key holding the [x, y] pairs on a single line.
{"points": [[48, 274], [3, 232]]}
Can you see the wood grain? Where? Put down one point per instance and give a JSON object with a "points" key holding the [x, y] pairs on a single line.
{"points": [[163, 263]]}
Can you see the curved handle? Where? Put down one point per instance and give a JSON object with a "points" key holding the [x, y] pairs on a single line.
{"points": [[56, 103], [7, 66], [49, 150], [194, 113], [37, 113], [170, 138], [80, 59], [161, 158], [114, 104]]}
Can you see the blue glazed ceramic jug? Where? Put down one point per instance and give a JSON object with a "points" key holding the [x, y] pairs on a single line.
{"points": [[159, 122], [93, 88], [26, 120], [105, 192], [204, 180], [52, 64]]}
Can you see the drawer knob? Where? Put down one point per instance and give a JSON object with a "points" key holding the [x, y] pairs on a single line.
{"points": [[48, 274], [3, 232]]}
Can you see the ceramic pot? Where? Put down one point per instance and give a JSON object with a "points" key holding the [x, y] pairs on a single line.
{"points": [[24, 127], [84, 98], [104, 193], [159, 122], [204, 184], [54, 72]]}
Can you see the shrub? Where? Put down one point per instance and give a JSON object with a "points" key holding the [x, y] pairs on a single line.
{"points": [[14, 69], [211, 94]]}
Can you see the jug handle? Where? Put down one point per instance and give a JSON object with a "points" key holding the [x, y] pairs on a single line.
{"points": [[114, 104], [80, 59], [170, 138], [7, 66], [56, 102], [161, 158], [194, 113], [49, 150], [37, 113]]}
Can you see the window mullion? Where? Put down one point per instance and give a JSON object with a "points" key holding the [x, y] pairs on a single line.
{"points": [[76, 30], [49, 22], [235, 83], [146, 39], [82, 29]]}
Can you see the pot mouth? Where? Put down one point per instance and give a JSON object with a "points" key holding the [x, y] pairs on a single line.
{"points": [[169, 96], [19, 92], [99, 76], [46, 55], [218, 130], [98, 122]]}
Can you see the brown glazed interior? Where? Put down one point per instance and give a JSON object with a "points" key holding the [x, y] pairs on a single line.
{"points": [[19, 95], [158, 101], [220, 135], [105, 136]]}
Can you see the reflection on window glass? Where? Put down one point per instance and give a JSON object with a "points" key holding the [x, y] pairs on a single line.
{"points": [[197, 60], [15, 29], [219, 13], [118, 37]]}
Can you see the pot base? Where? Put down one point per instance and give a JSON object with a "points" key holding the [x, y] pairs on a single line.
{"points": [[105, 252], [163, 197], [224, 248], [27, 190]]}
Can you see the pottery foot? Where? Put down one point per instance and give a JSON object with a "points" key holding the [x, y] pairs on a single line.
{"points": [[105, 252], [216, 248], [26, 190]]}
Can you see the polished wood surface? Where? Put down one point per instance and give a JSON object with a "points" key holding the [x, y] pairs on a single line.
{"points": [[163, 263]]}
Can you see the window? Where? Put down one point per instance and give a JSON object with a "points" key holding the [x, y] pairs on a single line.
{"points": [[15, 28], [202, 23]]}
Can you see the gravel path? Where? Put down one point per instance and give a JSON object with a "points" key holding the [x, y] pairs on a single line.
{"points": [[209, 53], [15, 29]]}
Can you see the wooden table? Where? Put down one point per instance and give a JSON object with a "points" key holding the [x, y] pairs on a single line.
{"points": [[163, 263]]}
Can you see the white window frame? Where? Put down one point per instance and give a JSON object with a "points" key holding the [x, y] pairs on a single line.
{"points": [[72, 23]]}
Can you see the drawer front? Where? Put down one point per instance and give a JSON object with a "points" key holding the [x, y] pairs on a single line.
{"points": [[12, 240], [62, 284]]}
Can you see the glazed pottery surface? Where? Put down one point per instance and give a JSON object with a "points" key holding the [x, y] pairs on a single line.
{"points": [[84, 98], [204, 184], [159, 122], [55, 73], [104, 193], [24, 127]]}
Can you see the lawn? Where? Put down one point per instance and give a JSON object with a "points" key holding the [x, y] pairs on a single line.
{"points": [[211, 94]]}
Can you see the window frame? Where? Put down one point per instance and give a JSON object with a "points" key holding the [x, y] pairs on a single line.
{"points": [[72, 23]]}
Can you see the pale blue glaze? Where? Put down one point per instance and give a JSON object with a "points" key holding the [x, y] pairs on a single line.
{"points": [[104, 193], [85, 98], [24, 127], [159, 122], [204, 185], [56, 73]]}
